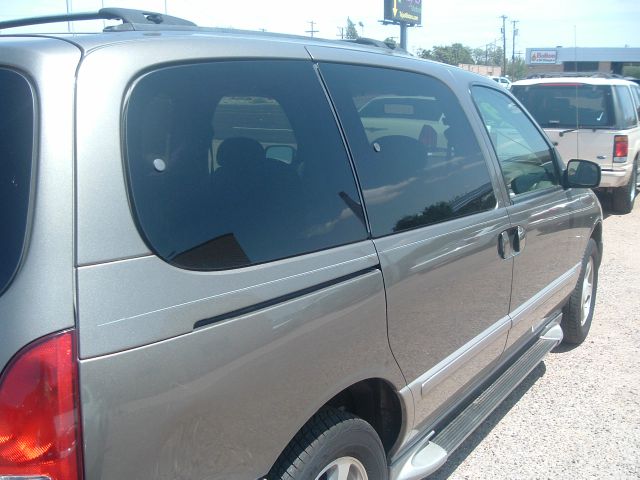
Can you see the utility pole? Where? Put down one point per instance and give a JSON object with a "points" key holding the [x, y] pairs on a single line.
{"points": [[504, 44], [69, 9], [312, 31], [515, 32], [341, 32]]}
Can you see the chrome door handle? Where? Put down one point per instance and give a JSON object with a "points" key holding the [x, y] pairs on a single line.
{"points": [[504, 245], [512, 241], [521, 239]]}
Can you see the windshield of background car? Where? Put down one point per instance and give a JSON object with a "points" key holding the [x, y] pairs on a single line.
{"points": [[16, 152], [568, 105]]}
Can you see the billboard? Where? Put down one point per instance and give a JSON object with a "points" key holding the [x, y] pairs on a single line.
{"points": [[408, 11], [539, 57]]}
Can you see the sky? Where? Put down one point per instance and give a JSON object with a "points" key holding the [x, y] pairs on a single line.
{"points": [[541, 23]]}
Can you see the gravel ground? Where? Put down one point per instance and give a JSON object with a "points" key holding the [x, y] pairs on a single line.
{"points": [[577, 415]]}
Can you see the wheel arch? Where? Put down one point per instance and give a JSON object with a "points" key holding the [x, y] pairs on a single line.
{"points": [[377, 402], [596, 234]]}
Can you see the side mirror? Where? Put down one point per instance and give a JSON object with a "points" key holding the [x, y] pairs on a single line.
{"points": [[283, 153], [582, 174]]}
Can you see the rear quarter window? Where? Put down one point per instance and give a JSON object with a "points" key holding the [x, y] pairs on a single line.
{"points": [[237, 163], [16, 159]]}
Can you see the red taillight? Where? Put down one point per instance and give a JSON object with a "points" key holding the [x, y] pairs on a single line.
{"points": [[620, 146], [39, 411]]}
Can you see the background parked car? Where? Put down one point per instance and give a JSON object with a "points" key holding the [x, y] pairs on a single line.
{"points": [[593, 118], [503, 82]]}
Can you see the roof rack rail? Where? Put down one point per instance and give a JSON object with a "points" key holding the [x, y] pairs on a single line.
{"points": [[575, 74], [372, 42], [131, 19]]}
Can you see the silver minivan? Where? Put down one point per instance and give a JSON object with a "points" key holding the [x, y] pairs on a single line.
{"points": [[235, 255]]}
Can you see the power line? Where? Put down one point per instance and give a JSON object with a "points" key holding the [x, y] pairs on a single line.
{"points": [[312, 31]]}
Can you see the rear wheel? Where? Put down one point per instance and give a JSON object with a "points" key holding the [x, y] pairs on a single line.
{"points": [[578, 312], [624, 197], [333, 445]]}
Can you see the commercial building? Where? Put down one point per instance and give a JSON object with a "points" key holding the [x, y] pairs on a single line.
{"points": [[579, 59]]}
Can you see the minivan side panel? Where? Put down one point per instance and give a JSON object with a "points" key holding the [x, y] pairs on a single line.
{"points": [[550, 253], [178, 366], [129, 303], [440, 331], [549, 219], [47, 269], [194, 406]]}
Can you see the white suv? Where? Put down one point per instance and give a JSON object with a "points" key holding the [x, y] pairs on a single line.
{"points": [[591, 118], [502, 81]]}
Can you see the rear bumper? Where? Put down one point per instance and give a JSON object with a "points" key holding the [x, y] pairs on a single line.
{"points": [[616, 178]]}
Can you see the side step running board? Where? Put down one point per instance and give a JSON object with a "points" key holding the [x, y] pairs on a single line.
{"points": [[430, 454]]}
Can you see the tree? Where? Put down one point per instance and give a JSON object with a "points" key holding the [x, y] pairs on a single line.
{"points": [[517, 69], [452, 54], [490, 55], [426, 54], [351, 32], [479, 56], [495, 56], [631, 71]]}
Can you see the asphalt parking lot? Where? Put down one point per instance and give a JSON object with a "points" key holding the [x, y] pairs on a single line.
{"points": [[577, 415]]}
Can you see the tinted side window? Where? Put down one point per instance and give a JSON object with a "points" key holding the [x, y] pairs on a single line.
{"points": [[16, 158], [525, 157], [206, 192], [417, 158], [568, 105], [627, 112]]}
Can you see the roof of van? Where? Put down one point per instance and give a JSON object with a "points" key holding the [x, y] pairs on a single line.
{"points": [[137, 23], [174, 29], [90, 41]]}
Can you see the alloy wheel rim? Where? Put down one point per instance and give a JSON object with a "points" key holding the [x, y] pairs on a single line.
{"points": [[344, 468], [587, 291]]}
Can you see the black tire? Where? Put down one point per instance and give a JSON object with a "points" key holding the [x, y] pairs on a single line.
{"points": [[624, 197], [575, 321], [328, 436]]}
